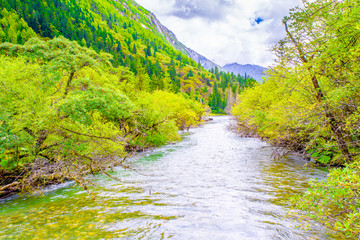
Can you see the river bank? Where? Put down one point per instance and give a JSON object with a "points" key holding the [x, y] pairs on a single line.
{"points": [[211, 185], [43, 174]]}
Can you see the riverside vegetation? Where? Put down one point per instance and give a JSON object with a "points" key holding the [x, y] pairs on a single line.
{"points": [[310, 104], [84, 84], [65, 114]]}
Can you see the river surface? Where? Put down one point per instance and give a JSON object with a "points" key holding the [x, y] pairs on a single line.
{"points": [[211, 185]]}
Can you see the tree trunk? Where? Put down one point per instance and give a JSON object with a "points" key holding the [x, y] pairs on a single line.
{"points": [[68, 83], [320, 97]]}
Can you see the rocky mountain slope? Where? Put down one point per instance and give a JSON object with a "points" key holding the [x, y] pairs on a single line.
{"points": [[171, 37]]}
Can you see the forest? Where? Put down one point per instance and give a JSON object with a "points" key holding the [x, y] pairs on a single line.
{"points": [[310, 104], [85, 84]]}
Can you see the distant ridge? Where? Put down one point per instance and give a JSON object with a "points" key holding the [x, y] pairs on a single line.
{"points": [[255, 71]]}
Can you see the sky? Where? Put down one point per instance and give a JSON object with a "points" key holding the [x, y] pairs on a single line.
{"points": [[225, 31]]}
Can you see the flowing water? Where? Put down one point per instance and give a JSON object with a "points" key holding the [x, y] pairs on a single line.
{"points": [[211, 185]]}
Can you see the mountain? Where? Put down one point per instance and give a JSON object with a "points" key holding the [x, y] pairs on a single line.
{"points": [[254, 71], [171, 37]]}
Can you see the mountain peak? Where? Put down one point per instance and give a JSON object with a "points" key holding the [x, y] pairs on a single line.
{"points": [[255, 71]]}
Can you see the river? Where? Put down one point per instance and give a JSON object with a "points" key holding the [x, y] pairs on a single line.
{"points": [[211, 185]]}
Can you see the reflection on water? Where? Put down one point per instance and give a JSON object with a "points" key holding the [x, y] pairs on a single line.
{"points": [[212, 185]]}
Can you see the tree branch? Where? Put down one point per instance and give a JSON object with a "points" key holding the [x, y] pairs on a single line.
{"points": [[301, 53], [88, 135]]}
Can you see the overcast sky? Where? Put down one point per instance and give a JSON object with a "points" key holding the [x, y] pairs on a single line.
{"points": [[225, 31]]}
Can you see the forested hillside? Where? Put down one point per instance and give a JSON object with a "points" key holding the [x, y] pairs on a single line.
{"points": [[83, 84], [311, 102], [123, 28]]}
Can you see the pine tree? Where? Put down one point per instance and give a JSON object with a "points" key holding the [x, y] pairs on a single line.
{"points": [[134, 50]]}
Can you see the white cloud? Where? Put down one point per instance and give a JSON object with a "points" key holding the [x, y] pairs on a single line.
{"points": [[225, 30]]}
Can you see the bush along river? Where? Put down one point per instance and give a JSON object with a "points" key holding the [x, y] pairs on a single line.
{"points": [[211, 185]]}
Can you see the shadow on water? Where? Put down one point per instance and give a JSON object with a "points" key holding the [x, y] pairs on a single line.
{"points": [[211, 185]]}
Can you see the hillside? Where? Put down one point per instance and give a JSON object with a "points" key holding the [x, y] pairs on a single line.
{"points": [[130, 33]]}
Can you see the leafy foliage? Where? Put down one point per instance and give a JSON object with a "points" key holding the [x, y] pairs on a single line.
{"points": [[334, 202], [127, 31], [288, 109], [311, 104], [13, 29], [62, 107]]}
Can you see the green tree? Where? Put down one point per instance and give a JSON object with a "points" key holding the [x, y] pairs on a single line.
{"points": [[60, 116], [134, 51], [314, 56], [148, 51]]}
